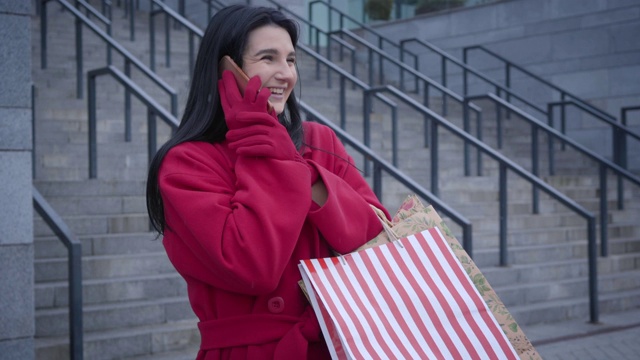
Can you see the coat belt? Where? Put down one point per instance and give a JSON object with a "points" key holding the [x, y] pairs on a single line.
{"points": [[292, 333]]}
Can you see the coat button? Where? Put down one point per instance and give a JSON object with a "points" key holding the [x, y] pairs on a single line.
{"points": [[276, 305]]}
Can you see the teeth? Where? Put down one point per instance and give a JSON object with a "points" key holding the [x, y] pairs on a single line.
{"points": [[277, 91]]}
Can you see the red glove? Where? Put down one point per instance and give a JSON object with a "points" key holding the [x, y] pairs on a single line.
{"points": [[233, 103], [253, 131]]}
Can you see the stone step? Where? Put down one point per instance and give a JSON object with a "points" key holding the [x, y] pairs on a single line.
{"points": [[575, 287], [104, 266], [553, 311], [530, 254], [98, 224], [107, 316], [48, 247], [55, 294], [127, 343]]}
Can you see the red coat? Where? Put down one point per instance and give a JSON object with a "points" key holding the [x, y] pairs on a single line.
{"points": [[237, 229]]}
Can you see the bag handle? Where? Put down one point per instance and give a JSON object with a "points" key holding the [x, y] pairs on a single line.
{"points": [[386, 224]]}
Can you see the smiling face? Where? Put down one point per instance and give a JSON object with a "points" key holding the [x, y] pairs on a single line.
{"points": [[270, 54]]}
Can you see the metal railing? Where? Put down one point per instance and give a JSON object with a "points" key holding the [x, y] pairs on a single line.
{"points": [[506, 164], [426, 81], [153, 110], [74, 251], [314, 29], [466, 70], [193, 32], [566, 98], [129, 59], [343, 18], [380, 165], [603, 164], [509, 65]]}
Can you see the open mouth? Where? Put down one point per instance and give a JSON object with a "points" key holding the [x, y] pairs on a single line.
{"points": [[277, 91]]}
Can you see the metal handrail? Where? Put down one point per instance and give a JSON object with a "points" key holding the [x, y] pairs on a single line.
{"points": [[499, 89], [170, 13], [344, 76], [380, 165], [342, 16], [426, 80], [625, 110], [603, 163], [619, 130], [74, 251], [153, 109], [446, 93], [111, 43], [329, 36], [565, 95], [507, 164]]}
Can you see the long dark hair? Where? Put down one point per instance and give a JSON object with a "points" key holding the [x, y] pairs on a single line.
{"points": [[203, 118]]}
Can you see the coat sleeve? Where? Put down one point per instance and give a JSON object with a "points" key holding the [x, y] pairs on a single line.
{"points": [[346, 220], [235, 233]]}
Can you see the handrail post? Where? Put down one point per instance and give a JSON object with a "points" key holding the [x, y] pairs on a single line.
{"points": [[43, 34], [92, 132], [466, 127], [132, 31], [151, 135], [551, 154], [127, 103], [79, 62], [425, 102], [604, 248], [167, 42], [366, 126], [75, 301], [402, 42], [380, 62], [370, 61], [192, 56], [466, 240], [152, 38], [534, 167], [377, 180], [435, 188], [394, 135], [343, 103], [504, 258], [443, 68], [563, 119], [593, 271], [499, 119], [507, 76], [479, 136]]}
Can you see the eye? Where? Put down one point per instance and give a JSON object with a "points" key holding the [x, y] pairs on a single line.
{"points": [[267, 58], [291, 60]]}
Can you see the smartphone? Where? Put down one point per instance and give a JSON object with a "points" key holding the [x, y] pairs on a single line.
{"points": [[226, 63]]}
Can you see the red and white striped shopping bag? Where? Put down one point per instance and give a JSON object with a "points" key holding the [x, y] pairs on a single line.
{"points": [[409, 299]]}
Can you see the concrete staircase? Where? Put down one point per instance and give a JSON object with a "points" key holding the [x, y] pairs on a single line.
{"points": [[135, 304]]}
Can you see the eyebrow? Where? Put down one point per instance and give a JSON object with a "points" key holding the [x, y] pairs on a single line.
{"points": [[272, 52]]}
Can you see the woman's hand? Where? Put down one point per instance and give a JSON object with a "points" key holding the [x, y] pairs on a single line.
{"points": [[253, 131]]}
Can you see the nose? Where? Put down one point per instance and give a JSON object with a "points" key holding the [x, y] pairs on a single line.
{"points": [[285, 71]]}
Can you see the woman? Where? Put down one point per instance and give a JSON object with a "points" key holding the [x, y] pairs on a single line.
{"points": [[242, 194]]}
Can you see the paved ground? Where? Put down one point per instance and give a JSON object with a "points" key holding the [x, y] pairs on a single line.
{"points": [[616, 337]]}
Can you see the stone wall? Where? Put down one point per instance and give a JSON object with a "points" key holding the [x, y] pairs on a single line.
{"points": [[589, 48], [16, 209]]}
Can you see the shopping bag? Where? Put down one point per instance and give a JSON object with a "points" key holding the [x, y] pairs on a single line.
{"points": [[408, 299], [412, 217]]}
